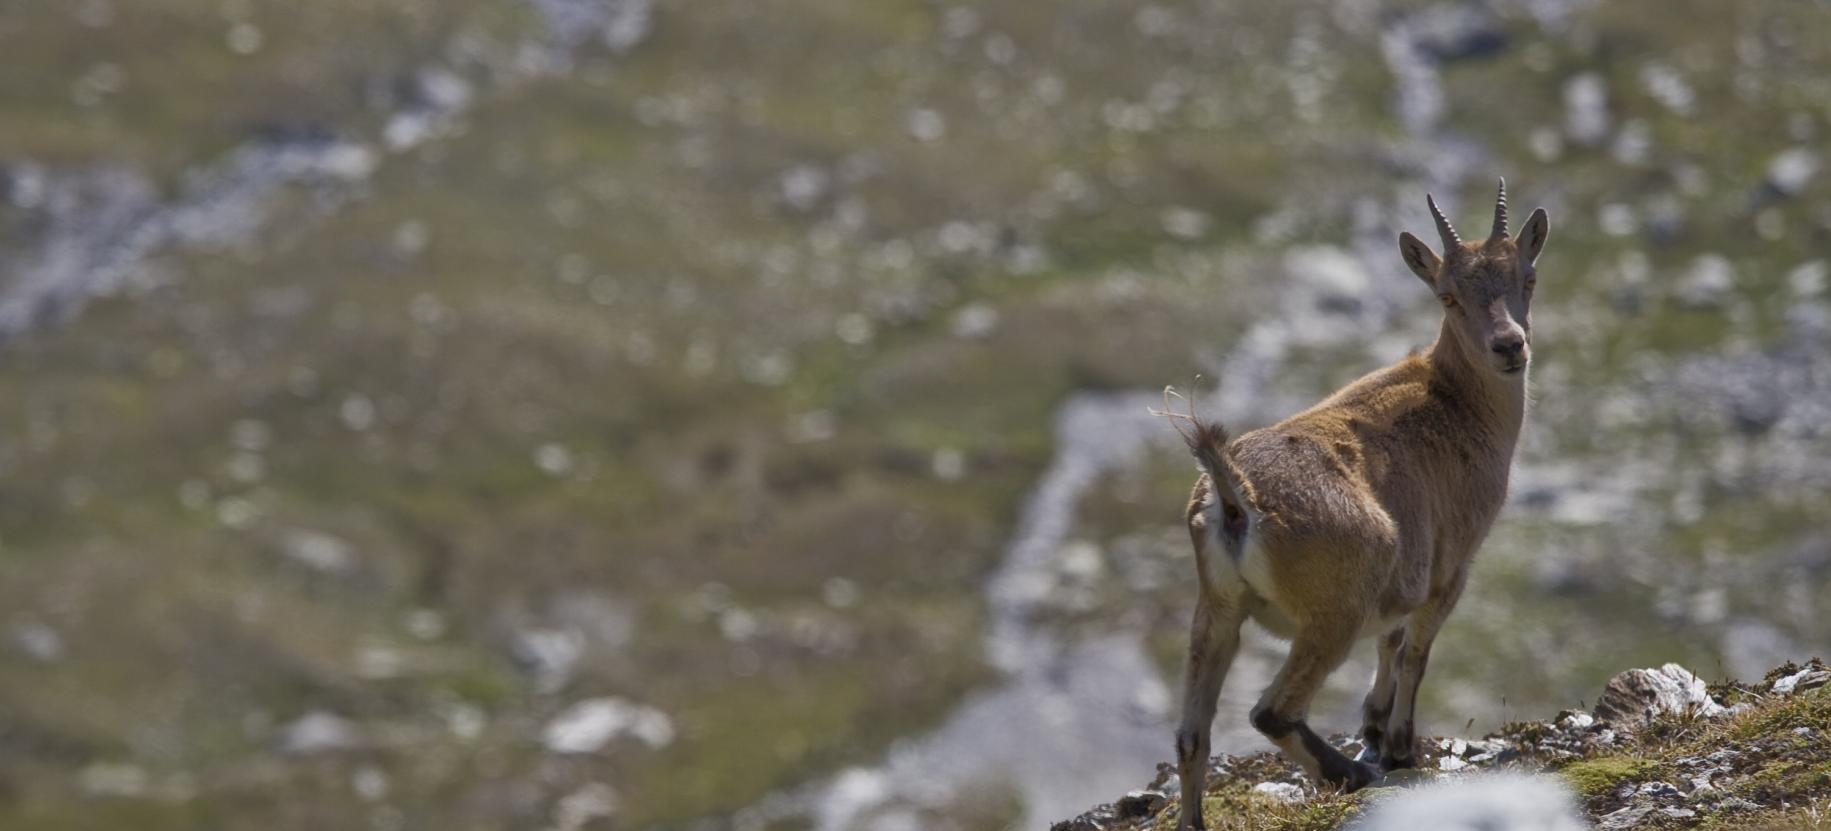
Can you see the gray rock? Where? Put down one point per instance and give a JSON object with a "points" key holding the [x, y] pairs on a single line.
{"points": [[1625, 818]]}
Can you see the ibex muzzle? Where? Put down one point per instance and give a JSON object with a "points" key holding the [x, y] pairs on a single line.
{"points": [[1359, 516]]}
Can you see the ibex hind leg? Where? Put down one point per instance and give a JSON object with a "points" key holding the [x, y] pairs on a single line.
{"points": [[1214, 641], [1281, 714]]}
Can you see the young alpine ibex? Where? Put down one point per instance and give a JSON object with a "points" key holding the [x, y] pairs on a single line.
{"points": [[1359, 516]]}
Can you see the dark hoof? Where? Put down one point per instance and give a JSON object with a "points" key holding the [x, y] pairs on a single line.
{"points": [[1363, 775], [1390, 763]]}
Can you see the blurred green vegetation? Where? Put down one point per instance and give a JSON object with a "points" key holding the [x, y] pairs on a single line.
{"points": [[704, 327]]}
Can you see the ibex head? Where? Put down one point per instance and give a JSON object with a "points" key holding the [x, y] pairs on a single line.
{"points": [[1486, 287]]}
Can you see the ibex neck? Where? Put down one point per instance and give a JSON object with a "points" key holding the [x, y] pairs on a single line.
{"points": [[1498, 399]]}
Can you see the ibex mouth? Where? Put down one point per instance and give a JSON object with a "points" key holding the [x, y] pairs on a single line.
{"points": [[1515, 369]]}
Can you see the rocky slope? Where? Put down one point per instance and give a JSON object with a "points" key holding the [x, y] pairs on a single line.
{"points": [[1661, 750]]}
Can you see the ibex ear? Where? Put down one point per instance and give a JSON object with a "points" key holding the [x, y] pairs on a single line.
{"points": [[1531, 238], [1422, 261]]}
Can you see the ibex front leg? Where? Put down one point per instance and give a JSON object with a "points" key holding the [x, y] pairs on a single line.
{"points": [[1376, 708], [1214, 640], [1420, 631]]}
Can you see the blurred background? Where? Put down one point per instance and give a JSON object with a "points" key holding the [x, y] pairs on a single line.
{"points": [[628, 414]]}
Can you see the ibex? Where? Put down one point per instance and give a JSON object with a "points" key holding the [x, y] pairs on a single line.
{"points": [[1359, 516]]}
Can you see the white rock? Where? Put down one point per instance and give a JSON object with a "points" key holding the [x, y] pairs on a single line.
{"points": [[1586, 114], [318, 732], [552, 653], [1281, 791], [1637, 695], [925, 125], [590, 725], [1790, 170], [114, 779], [1451, 763], [1810, 676], [318, 551], [973, 321], [1709, 282], [369, 782], [1186, 223], [38, 640], [594, 801]]}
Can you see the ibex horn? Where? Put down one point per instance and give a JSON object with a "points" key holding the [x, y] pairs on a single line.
{"points": [[1451, 242], [1500, 212]]}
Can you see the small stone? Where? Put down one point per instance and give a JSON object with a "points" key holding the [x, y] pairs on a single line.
{"points": [[1658, 790], [1451, 763], [1576, 720], [1678, 813]]}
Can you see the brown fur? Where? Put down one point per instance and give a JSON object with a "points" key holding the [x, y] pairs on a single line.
{"points": [[1359, 516]]}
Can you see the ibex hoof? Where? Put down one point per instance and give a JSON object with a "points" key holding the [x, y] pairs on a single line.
{"points": [[1392, 763]]}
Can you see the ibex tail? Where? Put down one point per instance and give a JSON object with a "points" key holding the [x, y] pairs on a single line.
{"points": [[1207, 441]]}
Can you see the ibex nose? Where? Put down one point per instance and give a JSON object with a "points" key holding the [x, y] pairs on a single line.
{"points": [[1509, 344]]}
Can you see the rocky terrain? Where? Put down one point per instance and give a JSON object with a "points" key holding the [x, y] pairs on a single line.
{"points": [[527, 414], [1661, 750]]}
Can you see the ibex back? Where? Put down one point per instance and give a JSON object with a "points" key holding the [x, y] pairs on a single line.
{"points": [[1359, 516]]}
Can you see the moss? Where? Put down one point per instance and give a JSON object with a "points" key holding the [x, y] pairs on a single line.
{"points": [[1594, 777]]}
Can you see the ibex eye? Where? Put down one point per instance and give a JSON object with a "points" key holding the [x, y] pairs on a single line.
{"points": [[1449, 300]]}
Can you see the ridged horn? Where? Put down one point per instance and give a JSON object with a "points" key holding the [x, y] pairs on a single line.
{"points": [[1451, 242], [1500, 213]]}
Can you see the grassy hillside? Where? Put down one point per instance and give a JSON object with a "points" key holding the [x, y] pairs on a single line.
{"points": [[1766, 764], [700, 358]]}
